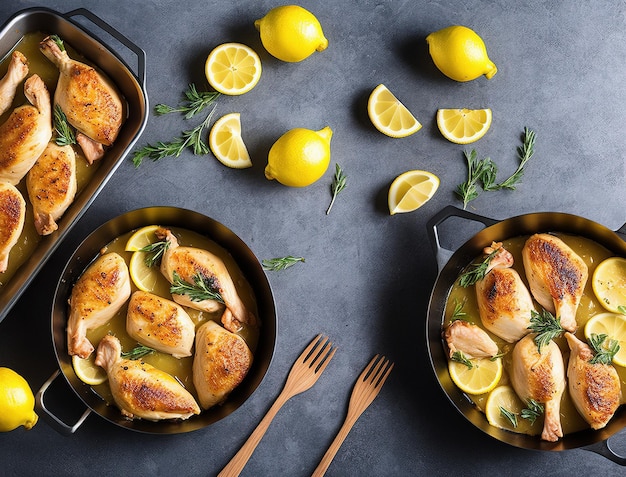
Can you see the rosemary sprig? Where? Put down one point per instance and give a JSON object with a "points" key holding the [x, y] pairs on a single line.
{"points": [[458, 313], [193, 103], [137, 352], [509, 415], [58, 41], [280, 263], [622, 309], [203, 288], [191, 138], [338, 184], [65, 134], [459, 357], [532, 412], [547, 327], [604, 355], [524, 152], [476, 271], [154, 252]]}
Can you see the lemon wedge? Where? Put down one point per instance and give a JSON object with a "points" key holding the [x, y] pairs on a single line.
{"points": [[88, 371], [463, 126], [482, 377], [614, 326], [141, 238], [144, 277], [226, 143], [609, 283], [233, 68], [389, 115], [410, 190], [505, 398]]}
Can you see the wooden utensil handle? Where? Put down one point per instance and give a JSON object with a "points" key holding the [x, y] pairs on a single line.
{"points": [[333, 448]]}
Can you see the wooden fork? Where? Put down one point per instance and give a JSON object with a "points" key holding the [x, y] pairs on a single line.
{"points": [[303, 375], [367, 387]]}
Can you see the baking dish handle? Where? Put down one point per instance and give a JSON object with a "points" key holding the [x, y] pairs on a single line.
{"points": [[442, 254], [53, 420], [604, 449], [99, 22]]}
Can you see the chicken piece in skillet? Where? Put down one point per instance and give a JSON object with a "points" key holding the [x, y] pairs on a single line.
{"points": [[540, 377], [89, 100], [504, 302], [470, 339], [556, 275], [160, 324], [51, 185], [12, 215], [191, 264], [221, 362], [16, 72], [97, 295], [595, 388], [26, 132], [141, 390]]}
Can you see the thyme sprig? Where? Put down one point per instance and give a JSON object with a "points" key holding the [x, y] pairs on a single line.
{"points": [[137, 352], [476, 271], [64, 132], [459, 357], [195, 101], [604, 355], [154, 252], [280, 263], [338, 184], [546, 326], [202, 288]]}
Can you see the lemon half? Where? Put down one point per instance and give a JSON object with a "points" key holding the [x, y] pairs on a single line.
{"points": [[504, 397], [233, 68], [389, 115], [614, 326], [609, 283], [482, 377], [463, 126], [226, 143], [144, 277], [88, 371], [141, 238], [410, 190]]}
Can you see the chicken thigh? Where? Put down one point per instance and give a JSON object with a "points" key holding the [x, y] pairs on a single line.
{"points": [[470, 339], [221, 362], [26, 132], [541, 377], [141, 390], [504, 302], [12, 216], [51, 185], [89, 100], [190, 263], [595, 388], [97, 295], [556, 275], [160, 324], [16, 72]]}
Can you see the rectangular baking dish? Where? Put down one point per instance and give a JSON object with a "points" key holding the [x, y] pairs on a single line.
{"points": [[131, 84]]}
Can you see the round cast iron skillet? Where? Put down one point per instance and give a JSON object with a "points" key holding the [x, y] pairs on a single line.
{"points": [[88, 250], [450, 265]]}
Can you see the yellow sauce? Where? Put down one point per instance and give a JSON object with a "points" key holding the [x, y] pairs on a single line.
{"points": [[592, 253]]}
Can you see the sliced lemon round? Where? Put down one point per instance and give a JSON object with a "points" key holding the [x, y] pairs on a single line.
{"points": [[226, 143], [410, 190], [463, 126], [144, 277], [389, 115], [88, 371], [609, 283], [141, 238], [233, 68], [503, 400], [481, 378], [614, 326]]}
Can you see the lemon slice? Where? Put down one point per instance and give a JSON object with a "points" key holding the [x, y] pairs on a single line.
{"points": [[389, 115], [226, 143], [233, 68], [463, 126], [88, 371], [614, 326], [609, 283], [481, 378], [410, 190], [504, 397], [141, 238], [144, 277]]}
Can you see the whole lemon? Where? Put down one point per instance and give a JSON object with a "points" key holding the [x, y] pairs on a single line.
{"points": [[16, 402], [460, 53], [291, 33], [299, 157]]}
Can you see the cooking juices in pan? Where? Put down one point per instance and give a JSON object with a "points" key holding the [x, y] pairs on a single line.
{"points": [[592, 253]]}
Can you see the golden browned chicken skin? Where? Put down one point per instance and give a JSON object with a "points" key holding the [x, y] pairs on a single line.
{"points": [[51, 185], [16, 72], [26, 132], [470, 339], [12, 216], [102, 289], [221, 362], [141, 390]]}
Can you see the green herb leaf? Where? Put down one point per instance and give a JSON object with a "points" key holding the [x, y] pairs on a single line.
{"points": [[524, 152], [532, 412], [476, 271], [64, 132], [338, 184], [458, 313], [459, 357], [58, 41], [203, 288], [277, 264], [622, 309], [604, 355], [137, 352], [154, 252], [547, 327], [193, 104], [510, 416]]}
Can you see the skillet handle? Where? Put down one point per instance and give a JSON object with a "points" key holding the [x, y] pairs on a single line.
{"points": [[53, 420], [442, 254], [604, 449], [96, 20]]}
